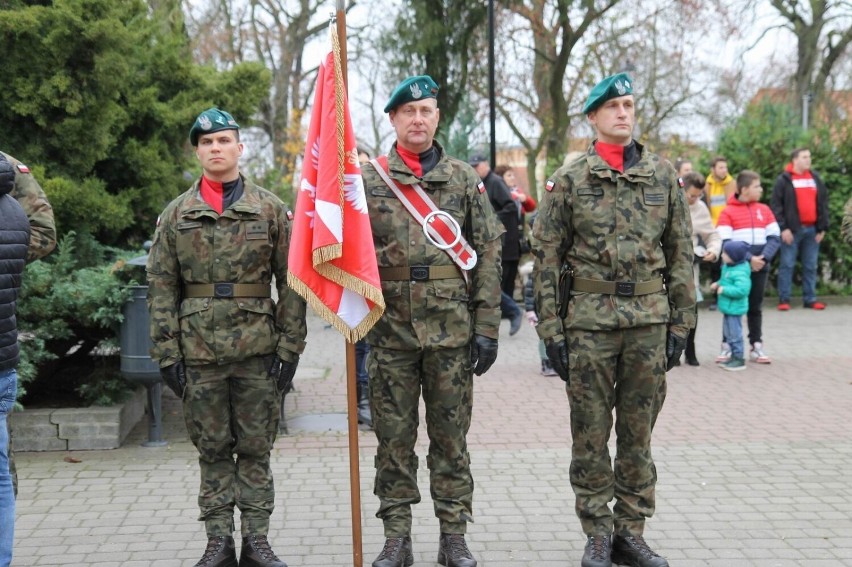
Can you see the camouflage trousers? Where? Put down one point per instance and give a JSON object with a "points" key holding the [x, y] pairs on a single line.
{"points": [[233, 409], [622, 370], [446, 379]]}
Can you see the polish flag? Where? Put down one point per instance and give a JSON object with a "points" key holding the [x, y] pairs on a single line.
{"points": [[332, 260]]}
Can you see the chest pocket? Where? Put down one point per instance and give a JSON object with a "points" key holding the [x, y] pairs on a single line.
{"points": [[653, 196], [188, 225], [589, 192], [257, 230], [385, 211], [450, 199]]}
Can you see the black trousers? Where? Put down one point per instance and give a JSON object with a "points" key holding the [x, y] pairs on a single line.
{"points": [[755, 306]]}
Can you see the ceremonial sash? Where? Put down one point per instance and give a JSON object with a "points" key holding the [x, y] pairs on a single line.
{"points": [[445, 235]]}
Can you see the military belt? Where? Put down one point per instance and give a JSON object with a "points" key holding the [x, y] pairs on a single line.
{"points": [[419, 273], [626, 289], [227, 290]]}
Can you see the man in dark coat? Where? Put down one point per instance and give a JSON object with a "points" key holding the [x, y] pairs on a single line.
{"points": [[507, 211], [800, 205]]}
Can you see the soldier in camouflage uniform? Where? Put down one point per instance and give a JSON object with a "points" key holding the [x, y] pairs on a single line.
{"points": [[224, 346], [32, 199], [617, 223], [438, 329]]}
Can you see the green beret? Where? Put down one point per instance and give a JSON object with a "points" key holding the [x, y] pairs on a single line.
{"points": [[412, 88], [209, 121], [612, 87]]}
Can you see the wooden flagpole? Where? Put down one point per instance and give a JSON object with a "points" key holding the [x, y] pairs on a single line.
{"points": [[351, 378]]}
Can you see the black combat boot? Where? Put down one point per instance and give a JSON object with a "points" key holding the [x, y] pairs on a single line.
{"points": [[257, 553], [395, 553], [219, 553], [453, 551], [364, 416], [632, 550], [598, 549]]}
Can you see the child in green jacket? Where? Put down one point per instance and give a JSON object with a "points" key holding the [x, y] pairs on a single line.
{"points": [[732, 297]]}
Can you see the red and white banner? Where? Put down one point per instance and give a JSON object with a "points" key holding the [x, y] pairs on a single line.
{"points": [[332, 261]]}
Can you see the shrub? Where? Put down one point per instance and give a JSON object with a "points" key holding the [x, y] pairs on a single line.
{"points": [[69, 313]]}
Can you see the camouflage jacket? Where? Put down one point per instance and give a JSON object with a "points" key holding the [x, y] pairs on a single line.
{"points": [[248, 244], [435, 313], [612, 226], [30, 195]]}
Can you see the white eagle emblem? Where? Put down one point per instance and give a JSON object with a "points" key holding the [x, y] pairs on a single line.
{"points": [[315, 153], [415, 91], [204, 122], [619, 86], [312, 192], [353, 190]]}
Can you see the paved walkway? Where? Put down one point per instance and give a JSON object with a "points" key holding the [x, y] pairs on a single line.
{"points": [[753, 467]]}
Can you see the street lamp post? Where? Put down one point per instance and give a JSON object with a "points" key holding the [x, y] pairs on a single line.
{"points": [[806, 100], [491, 96]]}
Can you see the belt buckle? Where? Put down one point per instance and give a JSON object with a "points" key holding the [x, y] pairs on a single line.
{"points": [[625, 289], [223, 290], [419, 273]]}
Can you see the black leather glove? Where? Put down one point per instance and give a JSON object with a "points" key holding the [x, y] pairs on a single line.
{"points": [[283, 372], [175, 377], [557, 353], [675, 346], [7, 175], [483, 353]]}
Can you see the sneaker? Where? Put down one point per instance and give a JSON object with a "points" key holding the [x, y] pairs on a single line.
{"points": [[547, 369], [818, 305], [757, 354], [724, 354], [733, 365], [784, 306]]}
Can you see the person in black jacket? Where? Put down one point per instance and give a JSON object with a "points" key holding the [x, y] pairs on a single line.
{"points": [[507, 211], [800, 205], [14, 242], [30, 196]]}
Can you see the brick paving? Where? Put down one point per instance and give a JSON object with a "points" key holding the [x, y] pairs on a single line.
{"points": [[752, 467]]}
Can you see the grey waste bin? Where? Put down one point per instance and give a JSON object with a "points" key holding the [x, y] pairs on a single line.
{"points": [[136, 363]]}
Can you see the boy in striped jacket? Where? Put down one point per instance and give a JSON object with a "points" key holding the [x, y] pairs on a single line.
{"points": [[748, 220]]}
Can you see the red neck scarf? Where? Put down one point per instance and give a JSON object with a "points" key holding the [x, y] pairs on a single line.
{"points": [[211, 192], [613, 154], [410, 159]]}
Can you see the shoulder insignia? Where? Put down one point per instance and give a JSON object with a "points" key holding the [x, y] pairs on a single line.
{"points": [[23, 169], [549, 186], [680, 182], [481, 187], [289, 215], [158, 221]]}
